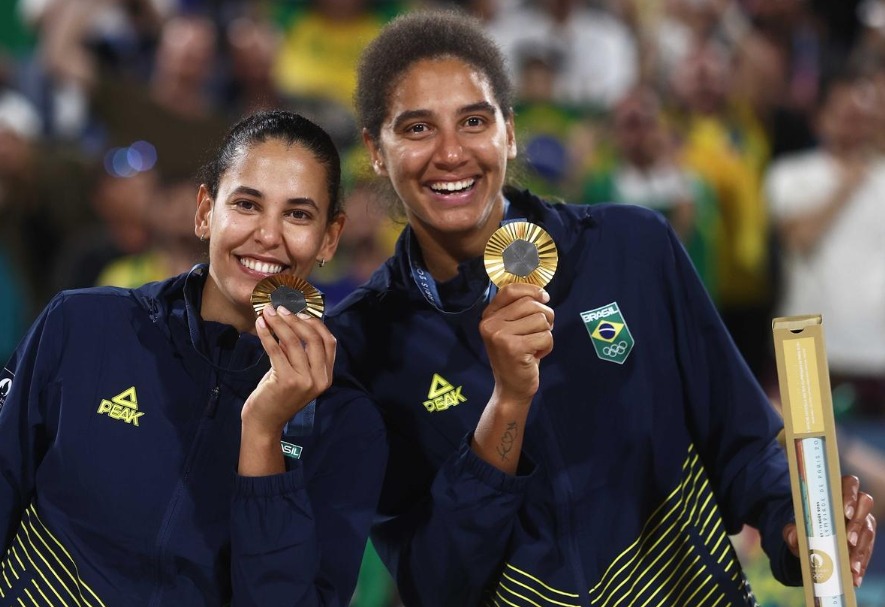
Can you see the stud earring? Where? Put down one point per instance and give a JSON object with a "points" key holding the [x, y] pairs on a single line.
{"points": [[321, 262]]}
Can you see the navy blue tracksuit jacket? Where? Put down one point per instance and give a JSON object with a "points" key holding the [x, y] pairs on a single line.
{"points": [[647, 443], [119, 442]]}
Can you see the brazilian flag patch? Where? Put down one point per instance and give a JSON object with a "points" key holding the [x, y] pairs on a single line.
{"points": [[609, 333]]}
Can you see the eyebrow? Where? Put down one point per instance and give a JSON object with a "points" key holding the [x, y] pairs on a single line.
{"points": [[479, 106], [300, 201]]}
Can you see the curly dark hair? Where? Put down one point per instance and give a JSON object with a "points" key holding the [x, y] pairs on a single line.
{"points": [[419, 35], [291, 129]]}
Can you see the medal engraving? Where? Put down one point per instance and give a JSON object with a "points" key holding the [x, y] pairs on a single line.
{"points": [[520, 251], [291, 292]]}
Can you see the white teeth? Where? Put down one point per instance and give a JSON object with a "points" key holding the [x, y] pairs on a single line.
{"points": [[452, 186], [261, 266]]}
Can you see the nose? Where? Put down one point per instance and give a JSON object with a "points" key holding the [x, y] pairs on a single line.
{"points": [[268, 232], [450, 149]]}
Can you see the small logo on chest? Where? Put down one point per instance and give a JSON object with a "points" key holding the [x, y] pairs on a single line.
{"points": [[442, 395], [609, 333], [122, 407]]}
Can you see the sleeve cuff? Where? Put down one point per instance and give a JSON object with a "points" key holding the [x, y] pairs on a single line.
{"points": [[270, 486], [790, 573], [467, 461]]}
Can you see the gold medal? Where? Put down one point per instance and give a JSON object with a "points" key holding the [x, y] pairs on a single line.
{"points": [[521, 251], [293, 293]]}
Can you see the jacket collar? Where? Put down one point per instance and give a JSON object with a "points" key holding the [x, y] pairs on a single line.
{"points": [[566, 224], [174, 307]]}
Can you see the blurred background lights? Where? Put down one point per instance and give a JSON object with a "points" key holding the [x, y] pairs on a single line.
{"points": [[127, 161]]}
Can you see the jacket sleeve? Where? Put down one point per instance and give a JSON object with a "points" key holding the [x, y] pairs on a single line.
{"points": [[299, 541], [732, 421], [26, 385], [444, 545]]}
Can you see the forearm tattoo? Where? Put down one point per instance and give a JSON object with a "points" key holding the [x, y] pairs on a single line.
{"points": [[507, 440]]}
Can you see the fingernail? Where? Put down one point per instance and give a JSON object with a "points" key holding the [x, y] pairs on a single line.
{"points": [[852, 538], [260, 322], [284, 311], [270, 310], [849, 511], [303, 316], [855, 567], [545, 296], [859, 580]]}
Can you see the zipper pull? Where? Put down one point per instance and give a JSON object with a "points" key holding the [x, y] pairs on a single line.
{"points": [[212, 407]]}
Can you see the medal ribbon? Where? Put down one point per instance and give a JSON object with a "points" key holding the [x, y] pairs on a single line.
{"points": [[427, 285]]}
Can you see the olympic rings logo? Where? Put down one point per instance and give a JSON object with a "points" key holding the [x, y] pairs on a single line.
{"points": [[615, 349]]}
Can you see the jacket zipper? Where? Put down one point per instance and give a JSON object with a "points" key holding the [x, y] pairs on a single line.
{"points": [[175, 499], [563, 493]]}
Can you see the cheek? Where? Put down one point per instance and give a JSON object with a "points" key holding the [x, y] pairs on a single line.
{"points": [[228, 233], [230, 227], [401, 165], [407, 160], [302, 245], [495, 154]]}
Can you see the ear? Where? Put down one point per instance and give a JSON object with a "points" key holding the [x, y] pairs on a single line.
{"points": [[332, 236], [511, 137], [375, 154], [203, 216]]}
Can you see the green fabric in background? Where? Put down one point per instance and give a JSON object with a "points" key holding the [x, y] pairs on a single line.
{"points": [[375, 587]]}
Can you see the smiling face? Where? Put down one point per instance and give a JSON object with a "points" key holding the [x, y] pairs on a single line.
{"points": [[270, 216], [445, 144]]}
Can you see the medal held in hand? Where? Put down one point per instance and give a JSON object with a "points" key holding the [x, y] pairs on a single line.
{"points": [[293, 293], [521, 251]]}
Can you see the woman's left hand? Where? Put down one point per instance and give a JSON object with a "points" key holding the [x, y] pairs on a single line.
{"points": [[302, 355], [860, 527]]}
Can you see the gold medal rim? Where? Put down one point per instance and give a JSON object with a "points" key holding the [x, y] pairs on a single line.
{"points": [[266, 286], [548, 255]]}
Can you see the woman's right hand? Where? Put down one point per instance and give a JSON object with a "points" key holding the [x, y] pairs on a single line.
{"points": [[517, 329]]}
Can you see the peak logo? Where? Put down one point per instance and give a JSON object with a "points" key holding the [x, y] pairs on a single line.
{"points": [[122, 407], [442, 395]]}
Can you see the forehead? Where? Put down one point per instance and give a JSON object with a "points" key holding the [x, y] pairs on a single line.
{"points": [[274, 166], [439, 85], [272, 151]]}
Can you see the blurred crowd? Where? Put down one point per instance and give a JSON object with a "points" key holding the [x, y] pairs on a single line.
{"points": [[757, 127]]}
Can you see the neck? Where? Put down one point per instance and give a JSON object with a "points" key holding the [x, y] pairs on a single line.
{"points": [[216, 309], [444, 251]]}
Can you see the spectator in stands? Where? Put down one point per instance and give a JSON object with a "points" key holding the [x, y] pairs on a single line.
{"points": [[599, 54], [724, 142], [827, 205], [174, 110], [646, 170]]}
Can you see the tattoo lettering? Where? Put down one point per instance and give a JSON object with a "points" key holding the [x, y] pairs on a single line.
{"points": [[507, 440]]}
